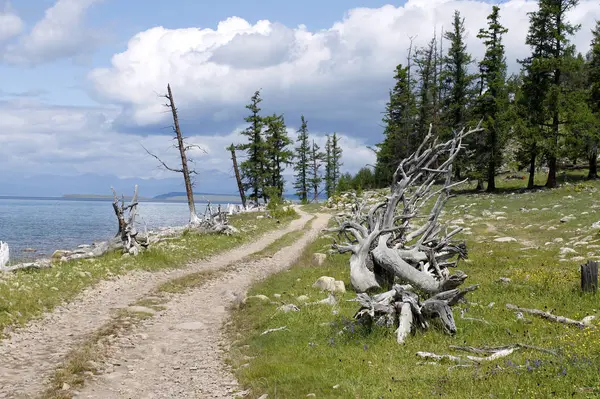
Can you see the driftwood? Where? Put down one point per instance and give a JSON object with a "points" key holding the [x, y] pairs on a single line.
{"points": [[395, 240], [4, 254], [492, 353], [132, 242], [215, 222], [549, 316]]}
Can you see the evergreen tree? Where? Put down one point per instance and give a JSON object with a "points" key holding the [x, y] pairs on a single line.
{"points": [[593, 77], [329, 183], [493, 101], [425, 60], [315, 160], [544, 85], [336, 160], [458, 84], [254, 168], [397, 120], [278, 153], [301, 162]]}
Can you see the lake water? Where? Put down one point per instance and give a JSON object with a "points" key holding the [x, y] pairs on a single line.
{"points": [[47, 225]]}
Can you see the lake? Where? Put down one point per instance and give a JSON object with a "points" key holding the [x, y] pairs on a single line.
{"points": [[49, 224]]}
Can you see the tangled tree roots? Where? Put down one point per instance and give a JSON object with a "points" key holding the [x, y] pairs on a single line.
{"points": [[385, 245]]}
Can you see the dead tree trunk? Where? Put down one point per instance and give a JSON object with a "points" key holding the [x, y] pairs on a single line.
{"points": [[589, 277], [4, 254], [183, 148], [238, 178], [384, 242], [131, 240], [184, 162]]}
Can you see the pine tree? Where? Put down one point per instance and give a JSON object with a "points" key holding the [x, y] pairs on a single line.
{"points": [[301, 162], [425, 60], [278, 153], [493, 102], [329, 182], [336, 160], [593, 76], [548, 38], [458, 84], [315, 161], [399, 113], [254, 168]]}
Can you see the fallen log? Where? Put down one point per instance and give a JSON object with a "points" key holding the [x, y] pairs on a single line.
{"points": [[547, 316]]}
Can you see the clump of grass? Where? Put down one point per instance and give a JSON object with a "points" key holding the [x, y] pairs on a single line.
{"points": [[312, 356], [27, 294]]}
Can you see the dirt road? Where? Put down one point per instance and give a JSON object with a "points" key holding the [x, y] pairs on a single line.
{"points": [[175, 354]]}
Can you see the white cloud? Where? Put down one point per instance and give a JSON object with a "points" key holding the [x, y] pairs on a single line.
{"points": [[10, 24], [38, 139], [61, 33], [342, 73]]}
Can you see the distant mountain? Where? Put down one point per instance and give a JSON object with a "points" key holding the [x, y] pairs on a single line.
{"points": [[198, 197], [95, 184]]}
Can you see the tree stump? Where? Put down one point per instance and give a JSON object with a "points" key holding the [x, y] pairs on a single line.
{"points": [[589, 277]]}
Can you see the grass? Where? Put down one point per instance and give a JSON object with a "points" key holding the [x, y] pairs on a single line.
{"points": [[282, 242], [25, 295], [314, 357]]}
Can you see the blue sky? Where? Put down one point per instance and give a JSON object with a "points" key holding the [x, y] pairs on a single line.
{"points": [[79, 79]]}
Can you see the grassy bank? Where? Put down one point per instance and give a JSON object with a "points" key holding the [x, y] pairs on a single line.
{"points": [[27, 294], [312, 356]]}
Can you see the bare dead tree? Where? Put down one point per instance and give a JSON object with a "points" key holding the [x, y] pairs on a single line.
{"points": [[238, 178], [131, 240], [183, 148], [385, 240]]}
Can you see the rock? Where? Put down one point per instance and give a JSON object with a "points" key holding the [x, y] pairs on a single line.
{"points": [[566, 250], [289, 308], [141, 309], [567, 219], [277, 296], [319, 259], [596, 225], [192, 326], [311, 395], [587, 321], [557, 240], [302, 298], [336, 386], [330, 300], [506, 239], [339, 287], [265, 396], [59, 253], [504, 280], [66, 387], [29, 250], [262, 298], [325, 283]]}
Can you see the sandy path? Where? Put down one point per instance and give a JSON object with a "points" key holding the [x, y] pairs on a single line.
{"points": [[32, 353], [177, 353]]}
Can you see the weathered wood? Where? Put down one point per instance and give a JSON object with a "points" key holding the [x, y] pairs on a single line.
{"points": [[4, 254], [589, 277], [131, 241], [238, 178], [547, 315]]}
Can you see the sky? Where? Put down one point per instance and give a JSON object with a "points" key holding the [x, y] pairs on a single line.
{"points": [[81, 80]]}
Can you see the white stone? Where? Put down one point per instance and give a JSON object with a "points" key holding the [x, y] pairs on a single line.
{"points": [[505, 239], [319, 259]]}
